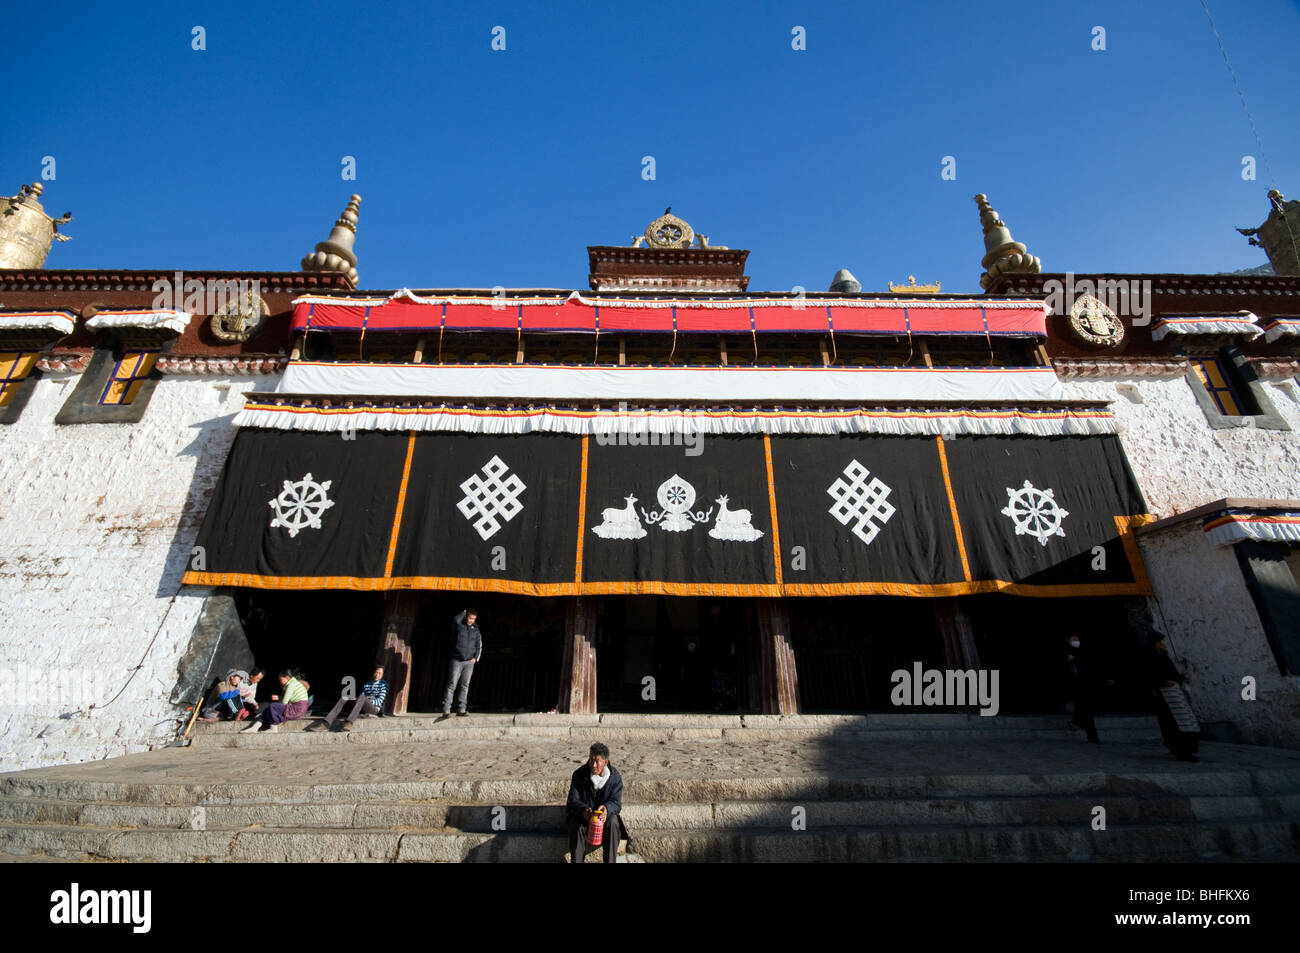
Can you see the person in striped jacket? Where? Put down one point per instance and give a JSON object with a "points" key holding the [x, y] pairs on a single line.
{"points": [[292, 706], [369, 704]]}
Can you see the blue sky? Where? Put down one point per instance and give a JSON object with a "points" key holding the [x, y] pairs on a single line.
{"points": [[480, 167]]}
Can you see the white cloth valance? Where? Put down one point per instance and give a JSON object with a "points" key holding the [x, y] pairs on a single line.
{"points": [[176, 321], [1228, 529], [1242, 325], [1281, 328], [60, 321], [670, 384], [650, 424]]}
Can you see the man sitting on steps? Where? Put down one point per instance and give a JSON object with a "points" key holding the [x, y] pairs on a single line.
{"points": [[595, 785], [369, 704]]}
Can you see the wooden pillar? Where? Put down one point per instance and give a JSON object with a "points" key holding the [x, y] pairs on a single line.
{"points": [[959, 649], [780, 682], [400, 609], [578, 668]]}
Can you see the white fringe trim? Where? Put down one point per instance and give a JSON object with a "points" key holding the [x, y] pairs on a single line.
{"points": [[661, 423], [176, 321], [43, 320], [1281, 328], [1243, 326], [1278, 529]]}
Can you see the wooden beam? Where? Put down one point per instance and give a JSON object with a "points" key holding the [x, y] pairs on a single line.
{"points": [[780, 685], [925, 353], [1041, 353], [722, 350], [419, 350], [578, 668], [401, 606], [826, 352], [519, 351], [622, 351]]}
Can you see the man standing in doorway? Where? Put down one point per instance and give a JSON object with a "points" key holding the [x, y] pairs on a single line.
{"points": [[466, 649]]}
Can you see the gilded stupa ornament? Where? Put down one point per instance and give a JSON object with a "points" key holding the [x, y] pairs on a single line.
{"points": [[1003, 254], [335, 253], [26, 232]]}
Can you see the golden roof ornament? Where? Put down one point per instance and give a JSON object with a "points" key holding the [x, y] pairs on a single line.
{"points": [[1003, 255], [913, 288], [26, 231], [335, 253], [669, 231]]}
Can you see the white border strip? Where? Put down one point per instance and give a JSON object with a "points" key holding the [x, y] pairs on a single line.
{"points": [[176, 321], [1253, 527], [34, 320], [671, 384], [1281, 328], [633, 423], [1243, 326]]}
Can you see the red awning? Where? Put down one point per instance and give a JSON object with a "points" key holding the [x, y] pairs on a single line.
{"points": [[407, 312]]}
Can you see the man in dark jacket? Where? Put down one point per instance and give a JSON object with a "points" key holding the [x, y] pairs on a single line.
{"points": [[1084, 684], [466, 649], [1178, 724], [595, 784]]}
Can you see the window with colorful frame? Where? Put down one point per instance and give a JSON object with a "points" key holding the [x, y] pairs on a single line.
{"points": [[15, 366], [1220, 384], [128, 377]]}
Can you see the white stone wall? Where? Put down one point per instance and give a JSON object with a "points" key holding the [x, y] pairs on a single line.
{"points": [[1216, 638], [1180, 462], [96, 526], [1204, 605]]}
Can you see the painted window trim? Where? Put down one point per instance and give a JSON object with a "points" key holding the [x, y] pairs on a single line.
{"points": [[1247, 384]]}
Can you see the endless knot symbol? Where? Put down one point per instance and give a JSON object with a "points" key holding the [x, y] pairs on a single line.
{"points": [[491, 498], [300, 505], [861, 500], [1035, 512]]}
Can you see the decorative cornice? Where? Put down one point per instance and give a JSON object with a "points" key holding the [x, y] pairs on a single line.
{"points": [[62, 363], [1068, 368], [290, 282], [1275, 368], [196, 365]]}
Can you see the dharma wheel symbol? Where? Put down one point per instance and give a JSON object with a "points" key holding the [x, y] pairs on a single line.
{"points": [[1035, 512], [300, 505]]}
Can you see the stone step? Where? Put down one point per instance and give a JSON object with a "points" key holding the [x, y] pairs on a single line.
{"points": [[1236, 838], [642, 729], [721, 815], [1168, 777]]}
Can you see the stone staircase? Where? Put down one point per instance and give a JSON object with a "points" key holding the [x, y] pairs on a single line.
{"points": [[895, 787]]}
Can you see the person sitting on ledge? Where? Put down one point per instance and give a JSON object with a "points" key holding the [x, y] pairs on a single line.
{"points": [[248, 691], [291, 708], [595, 786], [369, 704], [228, 698]]}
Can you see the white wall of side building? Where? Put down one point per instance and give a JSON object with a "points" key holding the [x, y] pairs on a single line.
{"points": [[1204, 606], [1180, 462], [97, 522], [1216, 638]]}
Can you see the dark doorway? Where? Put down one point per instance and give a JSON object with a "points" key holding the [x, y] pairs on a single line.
{"points": [[699, 652], [847, 647], [329, 635], [1023, 638], [523, 643]]}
